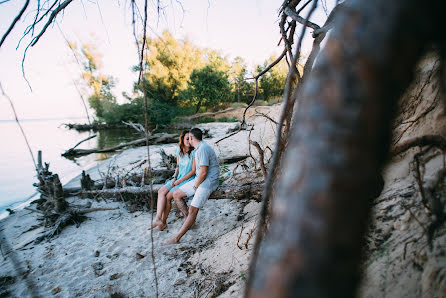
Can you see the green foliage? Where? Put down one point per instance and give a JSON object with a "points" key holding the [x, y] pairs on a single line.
{"points": [[241, 89], [179, 78], [224, 173], [272, 83], [169, 64], [208, 87], [101, 98]]}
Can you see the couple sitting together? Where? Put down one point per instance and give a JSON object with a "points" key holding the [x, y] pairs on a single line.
{"points": [[196, 175]]}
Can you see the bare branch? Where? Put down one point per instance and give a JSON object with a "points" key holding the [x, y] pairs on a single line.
{"points": [[427, 140], [53, 15], [271, 65], [16, 19], [84, 140], [292, 14]]}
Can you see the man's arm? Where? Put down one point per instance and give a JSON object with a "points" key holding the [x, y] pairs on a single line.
{"points": [[201, 176]]}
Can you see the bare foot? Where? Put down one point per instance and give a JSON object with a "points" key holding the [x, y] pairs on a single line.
{"points": [[162, 226], [170, 241], [155, 223]]}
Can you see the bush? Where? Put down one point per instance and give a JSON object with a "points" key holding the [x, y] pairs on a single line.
{"points": [[158, 112]]}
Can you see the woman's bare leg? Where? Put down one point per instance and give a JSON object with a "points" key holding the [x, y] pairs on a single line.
{"points": [[160, 206], [166, 212]]}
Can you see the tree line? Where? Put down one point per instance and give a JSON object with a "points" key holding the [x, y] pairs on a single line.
{"points": [[179, 77]]}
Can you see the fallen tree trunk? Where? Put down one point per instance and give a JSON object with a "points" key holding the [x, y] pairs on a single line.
{"points": [[158, 176], [160, 138], [251, 191]]}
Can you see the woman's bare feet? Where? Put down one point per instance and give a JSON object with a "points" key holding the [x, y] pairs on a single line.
{"points": [[170, 241], [156, 223], [162, 226]]}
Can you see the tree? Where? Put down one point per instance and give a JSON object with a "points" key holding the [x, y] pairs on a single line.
{"points": [[207, 87], [241, 88], [169, 64], [272, 83], [101, 98]]}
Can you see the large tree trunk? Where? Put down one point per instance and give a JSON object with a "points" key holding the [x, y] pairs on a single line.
{"points": [[338, 147]]}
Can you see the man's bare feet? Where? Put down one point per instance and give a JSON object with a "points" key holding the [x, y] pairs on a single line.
{"points": [[162, 226], [156, 223], [170, 241]]}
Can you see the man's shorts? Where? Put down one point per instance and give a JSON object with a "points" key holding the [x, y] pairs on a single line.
{"points": [[201, 195]]}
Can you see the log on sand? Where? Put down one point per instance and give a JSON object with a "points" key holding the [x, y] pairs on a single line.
{"points": [[159, 138], [251, 191]]}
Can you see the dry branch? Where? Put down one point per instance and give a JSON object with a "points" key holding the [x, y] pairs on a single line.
{"points": [[251, 191], [428, 140], [160, 138], [261, 155], [16, 19], [292, 14]]}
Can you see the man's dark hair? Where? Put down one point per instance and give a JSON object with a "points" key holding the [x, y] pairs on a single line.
{"points": [[197, 133]]}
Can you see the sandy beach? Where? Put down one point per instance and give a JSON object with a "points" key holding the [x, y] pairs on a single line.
{"points": [[110, 253]]}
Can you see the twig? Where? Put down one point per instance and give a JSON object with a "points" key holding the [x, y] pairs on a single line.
{"points": [[16, 19], [85, 211], [239, 236], [53, 15], [292, 14], [250, 235], [84, 140], [266, 116], [427, 140], [262, 163]]}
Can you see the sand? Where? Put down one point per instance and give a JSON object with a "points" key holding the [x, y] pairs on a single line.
{"points": [[110, 253]]}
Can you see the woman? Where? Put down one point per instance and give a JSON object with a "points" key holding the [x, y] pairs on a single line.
{"points": [[184, 172]]}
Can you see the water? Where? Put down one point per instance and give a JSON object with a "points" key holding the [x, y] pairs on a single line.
{"points": [[17, 172]]}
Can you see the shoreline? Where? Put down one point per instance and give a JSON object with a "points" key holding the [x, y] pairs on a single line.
{"points": [[110, 252]]}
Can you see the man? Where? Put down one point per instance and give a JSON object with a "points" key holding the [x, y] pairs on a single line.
{"points": [[201, 187]]}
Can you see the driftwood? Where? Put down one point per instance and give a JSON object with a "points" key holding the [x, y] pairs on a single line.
{"points": [[159, 138], [92, 126], [55, 210], [427, 140], [251, 191], [158, 176], [49, 187]]}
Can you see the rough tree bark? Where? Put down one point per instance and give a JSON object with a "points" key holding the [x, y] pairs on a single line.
{"points": [[338, 145]]}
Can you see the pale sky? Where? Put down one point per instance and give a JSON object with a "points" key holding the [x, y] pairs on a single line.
{"points": [[246, 28]]}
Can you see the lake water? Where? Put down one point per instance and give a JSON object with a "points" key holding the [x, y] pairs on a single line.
{"points": [[17, 173]]}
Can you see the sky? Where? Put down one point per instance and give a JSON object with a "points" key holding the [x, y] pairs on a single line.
{"points": [[247, 28]]}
